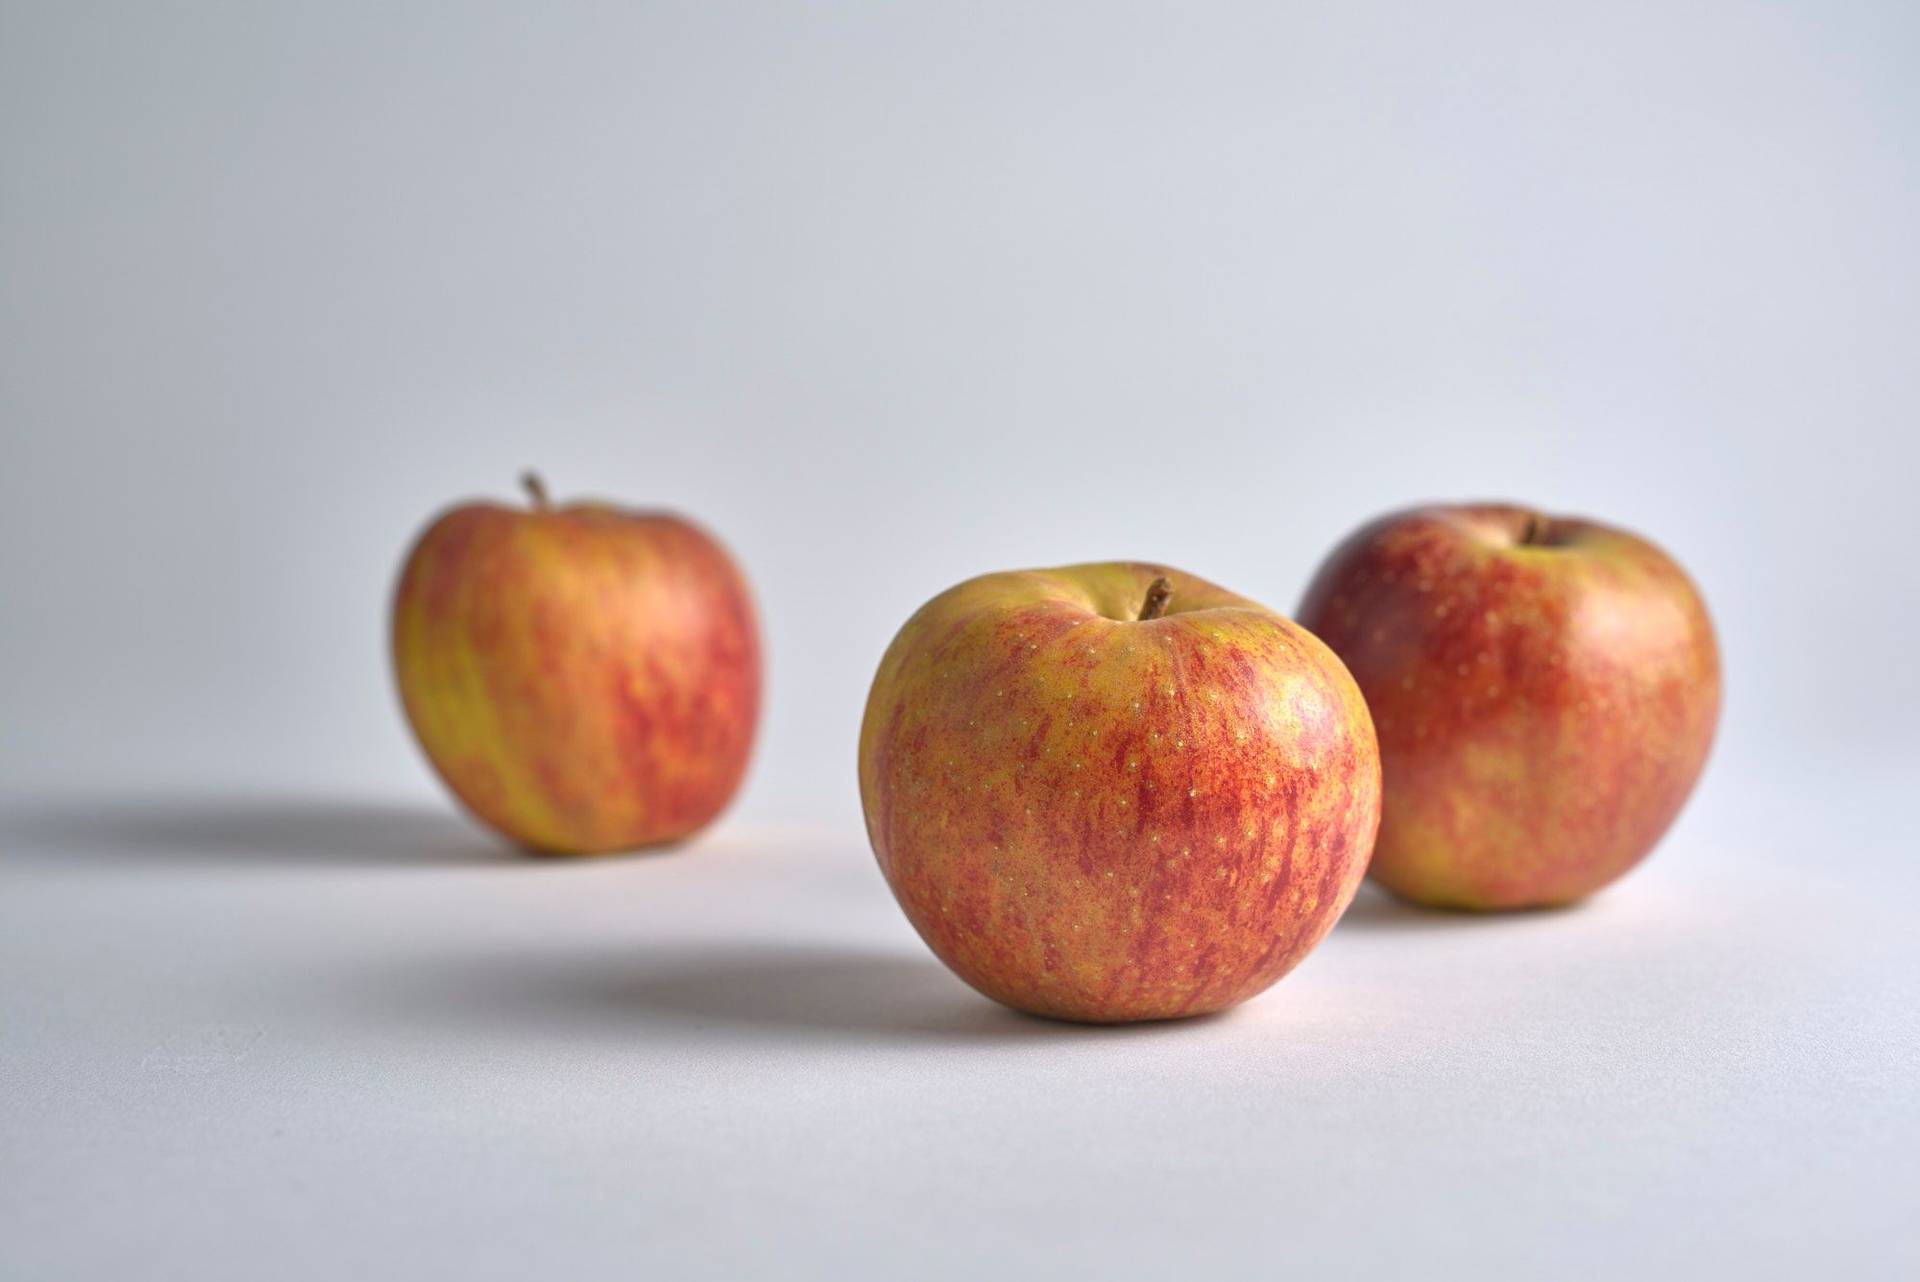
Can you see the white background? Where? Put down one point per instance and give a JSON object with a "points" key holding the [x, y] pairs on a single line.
{"points": [[889, 296]]}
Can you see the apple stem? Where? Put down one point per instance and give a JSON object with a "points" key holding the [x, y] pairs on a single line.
{"points": [[1534, 531], [1156, 603], [536, 490]]}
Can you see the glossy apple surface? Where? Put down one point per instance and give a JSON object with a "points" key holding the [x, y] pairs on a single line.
{"points": [[1100, 817], [1545, 692], [585, 679]]}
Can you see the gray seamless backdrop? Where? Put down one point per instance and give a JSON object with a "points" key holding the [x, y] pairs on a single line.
{"points": [[893, 294]]}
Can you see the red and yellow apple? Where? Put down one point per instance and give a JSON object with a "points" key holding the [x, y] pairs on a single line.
{"points": [[1116, 792], [584, 678], [1545, 691]]}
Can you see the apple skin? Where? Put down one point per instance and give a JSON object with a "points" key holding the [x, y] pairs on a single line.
{"points": [[1097, 818], [1545, 691], [585, 679]]}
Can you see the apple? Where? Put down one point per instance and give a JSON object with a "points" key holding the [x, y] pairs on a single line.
{"points": [[1116, 792], [1545, 690], [585, 679]]}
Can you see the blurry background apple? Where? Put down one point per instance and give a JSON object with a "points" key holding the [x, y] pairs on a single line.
{"points": [[1544, 690], [584, 678], [1116, 792]]}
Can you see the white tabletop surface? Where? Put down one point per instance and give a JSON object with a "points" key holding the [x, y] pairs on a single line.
{"points": [[309, 1038]]}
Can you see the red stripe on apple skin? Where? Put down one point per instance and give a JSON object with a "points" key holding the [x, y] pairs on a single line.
{"points": [[1543, 711], [1106, 821]]}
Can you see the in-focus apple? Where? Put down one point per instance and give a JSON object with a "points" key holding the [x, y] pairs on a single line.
{"points": [[1545, 690], [1116, 792], [584, 678]]}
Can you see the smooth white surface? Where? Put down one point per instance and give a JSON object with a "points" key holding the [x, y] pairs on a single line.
{"points": [[316, 1040]]}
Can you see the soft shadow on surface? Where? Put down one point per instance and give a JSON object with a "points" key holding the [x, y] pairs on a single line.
{"points": [[1377, 909], [792, 992], [243, 830]]}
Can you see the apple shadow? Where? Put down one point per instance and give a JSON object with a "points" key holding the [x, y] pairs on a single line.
{"points": [[801, 994], [246, 830], [1375, 909]]}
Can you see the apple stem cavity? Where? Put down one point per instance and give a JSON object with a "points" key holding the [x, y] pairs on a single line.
{"points": [[1155, 605], [536, 490]]}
